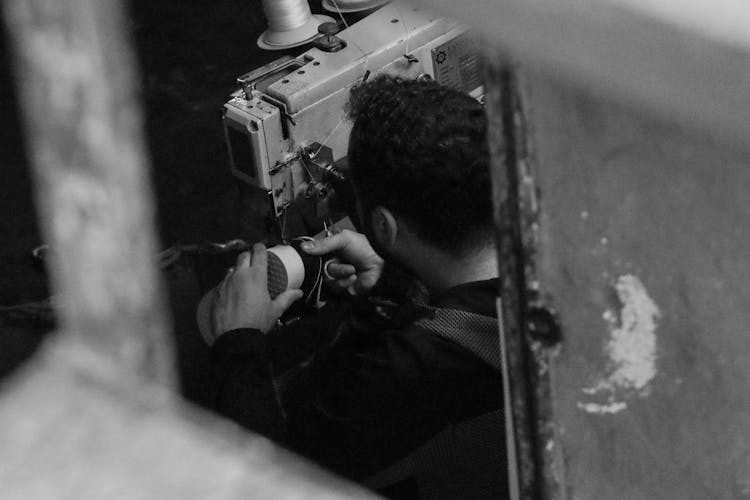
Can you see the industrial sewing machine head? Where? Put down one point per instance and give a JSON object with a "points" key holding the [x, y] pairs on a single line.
{"points": [[285, 127]]}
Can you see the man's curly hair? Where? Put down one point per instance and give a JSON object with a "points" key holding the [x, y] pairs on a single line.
{"points": [[419, 149]]}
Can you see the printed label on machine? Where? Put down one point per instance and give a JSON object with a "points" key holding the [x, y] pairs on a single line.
{"points": [[458, 63]]}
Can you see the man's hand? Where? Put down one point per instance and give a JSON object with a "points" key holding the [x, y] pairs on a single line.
{"points": [[357, 267], [242, 299]]}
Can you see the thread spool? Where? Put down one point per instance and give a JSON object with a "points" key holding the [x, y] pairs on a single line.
{"points": [[288, 268], [349, 6], [290, 24]]}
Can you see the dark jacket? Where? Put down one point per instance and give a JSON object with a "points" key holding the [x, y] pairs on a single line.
{"points": [[380, 390]]}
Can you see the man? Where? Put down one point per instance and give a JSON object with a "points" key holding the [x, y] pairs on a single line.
{"points": [[391, 380]]}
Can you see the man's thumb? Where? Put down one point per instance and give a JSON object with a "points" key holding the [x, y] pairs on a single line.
{"points": [[286, 299], [324, 245]]}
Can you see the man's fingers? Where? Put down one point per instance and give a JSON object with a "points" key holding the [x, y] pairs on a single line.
{"points": [[243, 260], [332, 243], [222, 290], [343, 284], [335, 270], [347, 282], [215, 313], [260, 259], [285, 300]]}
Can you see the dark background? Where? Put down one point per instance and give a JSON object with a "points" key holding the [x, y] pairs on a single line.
{"points": [[189, 56]]}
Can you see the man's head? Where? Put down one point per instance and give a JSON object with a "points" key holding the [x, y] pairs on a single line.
{"points": [[419, 150]]}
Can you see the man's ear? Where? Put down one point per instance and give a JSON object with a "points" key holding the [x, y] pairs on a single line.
{"points": [[384, 226]]}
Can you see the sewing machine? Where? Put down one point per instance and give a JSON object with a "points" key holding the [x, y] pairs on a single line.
{"points": [[285, 126]]}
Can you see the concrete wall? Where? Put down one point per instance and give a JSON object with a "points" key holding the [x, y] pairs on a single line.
{"points": [[644, 245]]}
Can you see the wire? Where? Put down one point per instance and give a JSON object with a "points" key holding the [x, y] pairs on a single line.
{"points": [[304, 165], [318, 282], [283, 225], [329, 137], [40, 311], [406, 29], [338, 10], [364, 78], [318, 279], [320, 289]]}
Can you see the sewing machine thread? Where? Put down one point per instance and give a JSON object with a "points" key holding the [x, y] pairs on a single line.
{"points": [[290, 24], [286, 15]]}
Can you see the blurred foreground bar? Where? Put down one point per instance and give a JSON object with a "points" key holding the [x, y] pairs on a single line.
{"points": [[682, 61], [94, 415]]}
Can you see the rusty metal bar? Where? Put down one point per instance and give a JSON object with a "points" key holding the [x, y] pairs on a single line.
{"points": [[522, 467], [529, 335], [75, 74], [540, 325]]}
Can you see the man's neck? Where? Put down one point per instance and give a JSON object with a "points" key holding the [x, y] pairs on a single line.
{"points": [[440, 271]]}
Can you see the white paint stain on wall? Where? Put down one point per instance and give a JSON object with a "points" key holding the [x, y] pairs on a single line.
{"points": [[609, 408], [630, 350]]}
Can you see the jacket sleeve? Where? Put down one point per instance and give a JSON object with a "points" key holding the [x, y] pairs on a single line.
{"points": [[242, 385], [245, 362]]}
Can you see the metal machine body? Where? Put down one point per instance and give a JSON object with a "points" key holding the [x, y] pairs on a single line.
{"points": [[285, 128]]}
